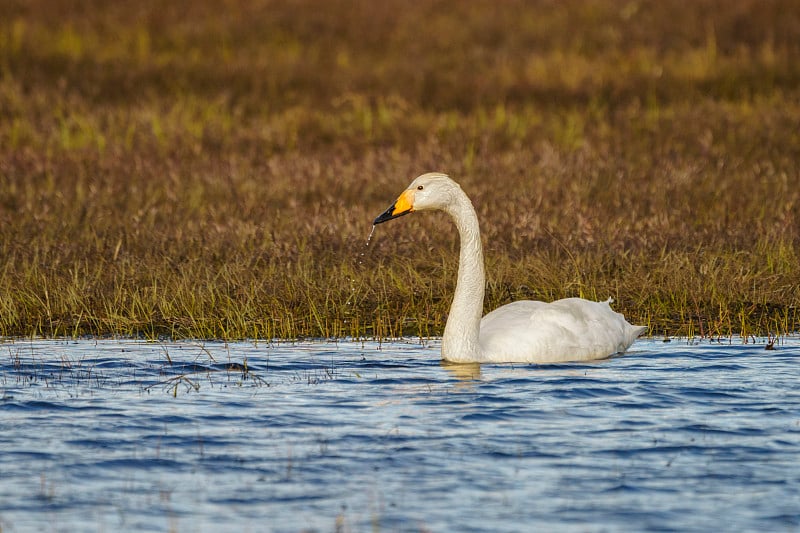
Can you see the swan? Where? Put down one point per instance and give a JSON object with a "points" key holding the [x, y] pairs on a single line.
{"points": [[525, 331]]}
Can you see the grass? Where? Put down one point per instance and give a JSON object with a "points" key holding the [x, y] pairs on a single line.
{"points": [[202, 171], [78, 374]]}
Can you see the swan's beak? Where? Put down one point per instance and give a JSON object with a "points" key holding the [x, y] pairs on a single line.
{"points": [[403, 206]]}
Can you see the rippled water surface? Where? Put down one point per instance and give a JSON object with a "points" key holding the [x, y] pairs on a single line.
{"points": [[125, 435]]}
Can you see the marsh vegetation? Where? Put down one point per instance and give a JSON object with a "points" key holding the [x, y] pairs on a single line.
{"points": [[211, 171]]}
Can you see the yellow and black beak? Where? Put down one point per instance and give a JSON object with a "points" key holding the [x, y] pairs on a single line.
{"points": [[403, 206]]}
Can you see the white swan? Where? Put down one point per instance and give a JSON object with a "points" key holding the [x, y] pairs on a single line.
{"points": [[572, 329]]}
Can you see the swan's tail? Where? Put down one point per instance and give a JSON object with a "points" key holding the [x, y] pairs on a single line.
{"points": [[632, 332], [629, 335]]}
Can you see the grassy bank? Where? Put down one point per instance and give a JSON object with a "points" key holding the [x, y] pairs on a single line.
{"points": [[212, 170]]}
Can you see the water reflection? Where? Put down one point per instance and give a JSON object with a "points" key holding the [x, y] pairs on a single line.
{"points": [[463, 371]]}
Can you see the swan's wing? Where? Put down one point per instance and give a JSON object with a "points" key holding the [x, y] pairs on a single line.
{"points": [[572, 329]]}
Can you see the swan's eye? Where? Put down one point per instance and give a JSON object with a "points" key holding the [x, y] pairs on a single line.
{"points": [[420, 188]]}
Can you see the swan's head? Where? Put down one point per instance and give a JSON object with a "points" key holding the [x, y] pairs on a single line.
{"points": [[433, 190]]}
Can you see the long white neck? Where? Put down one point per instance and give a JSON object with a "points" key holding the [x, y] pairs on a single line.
{"points": [[460, 340]]}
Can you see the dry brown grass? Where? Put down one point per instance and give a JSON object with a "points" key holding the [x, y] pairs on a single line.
{"points": [[211, 170]]}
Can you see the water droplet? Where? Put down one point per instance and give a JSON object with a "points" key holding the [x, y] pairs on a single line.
{"points": [[371, 233], [366, 245]]}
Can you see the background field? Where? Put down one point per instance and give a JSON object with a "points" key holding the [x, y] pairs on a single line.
{"points": [[211, 169]]}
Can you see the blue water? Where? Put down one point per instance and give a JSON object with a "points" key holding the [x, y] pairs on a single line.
{"points": [[126, 435]]}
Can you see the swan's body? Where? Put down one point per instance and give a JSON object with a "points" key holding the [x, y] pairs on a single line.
{"points": [[572, 329]]}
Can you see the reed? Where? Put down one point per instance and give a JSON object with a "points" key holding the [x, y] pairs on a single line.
{"points": [[186, 171]]}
